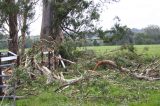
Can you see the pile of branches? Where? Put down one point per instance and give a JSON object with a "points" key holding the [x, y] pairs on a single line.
{"points": [[150, 72], [55, 76]]}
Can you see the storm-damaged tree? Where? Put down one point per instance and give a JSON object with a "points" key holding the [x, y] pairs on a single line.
{"points": [[69, 17]]}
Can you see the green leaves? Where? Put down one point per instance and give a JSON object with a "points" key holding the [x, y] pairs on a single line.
{"points": [[76, 16], [95, 15], [8, 8]]}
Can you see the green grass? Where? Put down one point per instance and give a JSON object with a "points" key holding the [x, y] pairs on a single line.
{"points": [[114, 90], [45, 99], [151, 49]]}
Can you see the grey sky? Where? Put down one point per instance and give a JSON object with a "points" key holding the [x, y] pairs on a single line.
{"points": [[133, 13]]}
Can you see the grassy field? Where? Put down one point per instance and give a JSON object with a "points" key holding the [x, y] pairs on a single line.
{"points": [[114, 89], [146, 49]]}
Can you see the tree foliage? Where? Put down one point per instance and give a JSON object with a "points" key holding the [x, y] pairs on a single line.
{"points": [[26, 15], [149, 35], [26, 11], [118, 34], [72, 17], [14, 16], [6, 7]]}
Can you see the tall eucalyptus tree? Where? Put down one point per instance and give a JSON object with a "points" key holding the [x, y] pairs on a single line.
{"points": [[69, 17]]}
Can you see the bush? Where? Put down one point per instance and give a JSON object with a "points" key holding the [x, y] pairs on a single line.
{"points": [[68, 50], [128, 47]]}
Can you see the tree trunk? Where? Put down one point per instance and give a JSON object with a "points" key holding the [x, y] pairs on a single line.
{"points": [[49, 27], [13, 32], [46, 19], [23, 43], [23, 32]]}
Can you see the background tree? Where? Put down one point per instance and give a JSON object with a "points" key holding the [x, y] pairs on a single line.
{"points": [[9, 11], [153, 33], [13, 30], [148, 35], [118, 34], [26, 15], [68, 16]]}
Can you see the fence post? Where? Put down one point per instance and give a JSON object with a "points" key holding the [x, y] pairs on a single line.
{"points": [[1, 82], [42, 56], [49, 59], [18, 61]]}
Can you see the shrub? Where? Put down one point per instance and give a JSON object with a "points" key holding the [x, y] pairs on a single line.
{"points": [[68, 50]]}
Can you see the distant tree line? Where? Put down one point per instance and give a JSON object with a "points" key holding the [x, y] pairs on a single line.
{"points": [[119, 34], [150, 35]]}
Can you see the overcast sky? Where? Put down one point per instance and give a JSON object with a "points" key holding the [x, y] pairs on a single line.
{"points": [[133, 13]]}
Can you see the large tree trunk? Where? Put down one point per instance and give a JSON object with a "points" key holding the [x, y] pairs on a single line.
{"points": [[46, 19], [23, 32], [49, 27], [13, 32]]}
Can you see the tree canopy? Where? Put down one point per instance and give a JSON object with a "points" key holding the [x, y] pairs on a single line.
{"points": [[69, 17], [60, 17]]}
